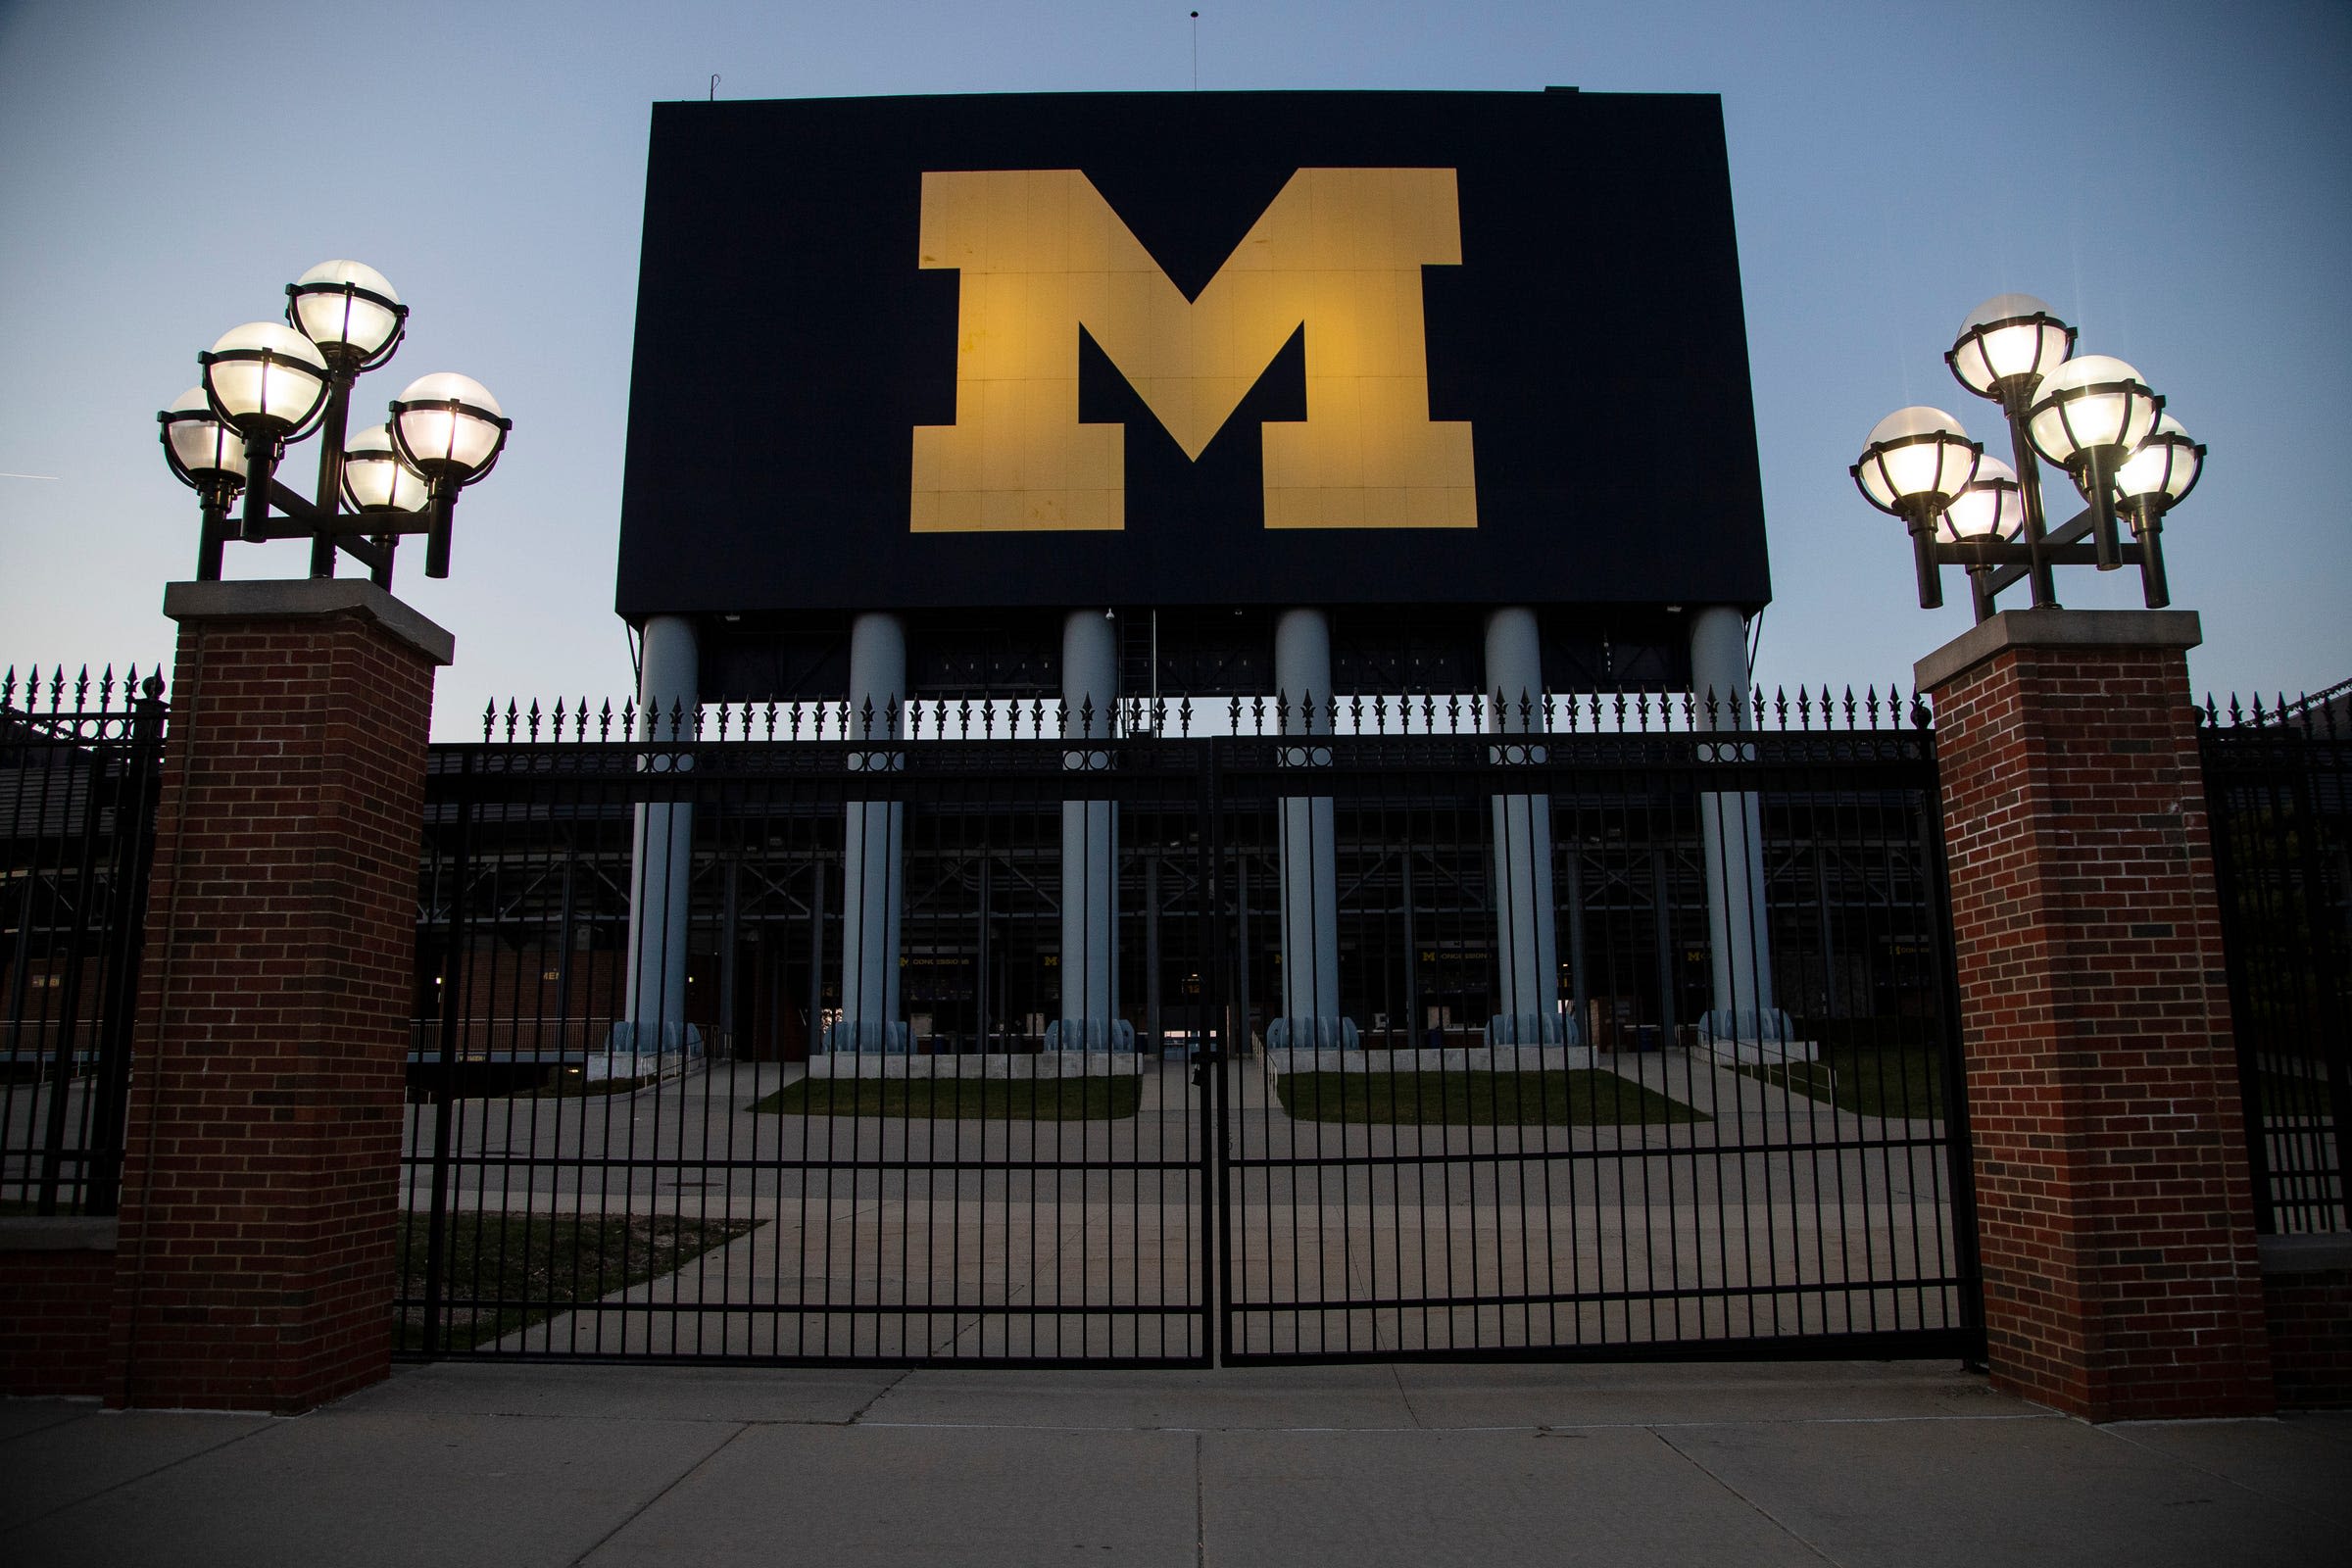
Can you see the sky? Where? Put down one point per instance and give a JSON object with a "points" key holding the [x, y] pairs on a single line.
{"points": [[2175, 179]]}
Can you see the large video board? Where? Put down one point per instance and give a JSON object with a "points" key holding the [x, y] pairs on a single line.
{"points": [[1201, 348]]}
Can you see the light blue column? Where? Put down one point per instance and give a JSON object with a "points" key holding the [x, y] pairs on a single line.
{"points": [[662, 848], [1310, 878], [1090, 843], [1732, 833], [873, 847], [1526, 944]]}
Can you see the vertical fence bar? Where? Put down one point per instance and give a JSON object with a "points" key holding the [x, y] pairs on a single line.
{"points": [[44, 873], [1958, 1148], [63, 1055], [1210, 1102], [454, 977], [136, 801]]}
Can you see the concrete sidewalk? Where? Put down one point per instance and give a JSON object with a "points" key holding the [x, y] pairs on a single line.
{"points": [[1906, 1464]]}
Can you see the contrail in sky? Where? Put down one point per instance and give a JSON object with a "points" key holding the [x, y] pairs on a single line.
{"points": [[5, 474]]}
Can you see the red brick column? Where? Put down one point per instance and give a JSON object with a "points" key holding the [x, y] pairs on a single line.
{"points": [[2307, 1286], [56, 1276], [2115, 1217], [254, 1264]]}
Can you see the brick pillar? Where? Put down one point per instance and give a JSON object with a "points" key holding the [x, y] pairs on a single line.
{"points": [[254, 1264], [2115, 1217]]}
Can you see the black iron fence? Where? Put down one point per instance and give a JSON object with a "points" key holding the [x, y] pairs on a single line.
{"points": [[1731, 1122], [78, 769], [1643, 1180], [2279, 784]]}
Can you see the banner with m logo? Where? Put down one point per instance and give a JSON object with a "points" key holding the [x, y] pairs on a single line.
{"points": [[1338, 256]]}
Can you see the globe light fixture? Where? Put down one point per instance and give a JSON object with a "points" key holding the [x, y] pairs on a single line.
{"points": [[349, 310], [2091, 414], [205, 454], [2150, 483], [267, 385], [1988, 512], [267, 381], [2087, 417], [376, 480], [1915, 462], [2007, 345], [448, 426], [1992, 505], [209, 458], [450, 430], [2163, 471]]}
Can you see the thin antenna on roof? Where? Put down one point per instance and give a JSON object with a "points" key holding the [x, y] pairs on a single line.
{"points": [[714, 86], [1196, 51]]}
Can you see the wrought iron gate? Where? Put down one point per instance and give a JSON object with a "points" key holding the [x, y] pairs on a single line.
{"points": [[1641, 1188], [717, 1199]]}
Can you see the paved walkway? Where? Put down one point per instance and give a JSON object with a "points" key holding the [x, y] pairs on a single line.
{"points": [[1908, 1464]]}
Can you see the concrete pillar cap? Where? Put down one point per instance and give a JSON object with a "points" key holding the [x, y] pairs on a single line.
{"points": [[2057, 628], [306, 599]]}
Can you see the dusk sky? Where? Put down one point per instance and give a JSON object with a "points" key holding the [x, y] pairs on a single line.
{"points": [[2175, 179]]}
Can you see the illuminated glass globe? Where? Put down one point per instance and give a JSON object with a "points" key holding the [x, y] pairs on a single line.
{"points": [[265, 379], [2007, 345], [2095, 407], [1917, 458], [204, 453], [349, 310], [376, 480], [1992, 505], [449, 428], [2164, 469]]}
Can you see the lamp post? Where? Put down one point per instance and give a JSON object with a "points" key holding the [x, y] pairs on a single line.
{"points": [[267, 385], [2094, 416], [2071, 809]]}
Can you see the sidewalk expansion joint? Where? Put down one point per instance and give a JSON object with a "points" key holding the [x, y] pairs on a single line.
{"points": [[2276, 1500], [1200, 1502], [857, 1416], [638, 1512], [1397, 1376], [1777, 1523], [74, 1502]]}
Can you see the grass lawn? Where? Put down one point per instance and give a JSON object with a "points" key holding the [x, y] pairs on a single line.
{"points": [[540, 1266], [1870, 1081], [1585, 1098], [953, 1098]]}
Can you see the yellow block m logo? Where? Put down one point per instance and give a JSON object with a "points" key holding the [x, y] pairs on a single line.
{"points": [[1339, 252]]}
